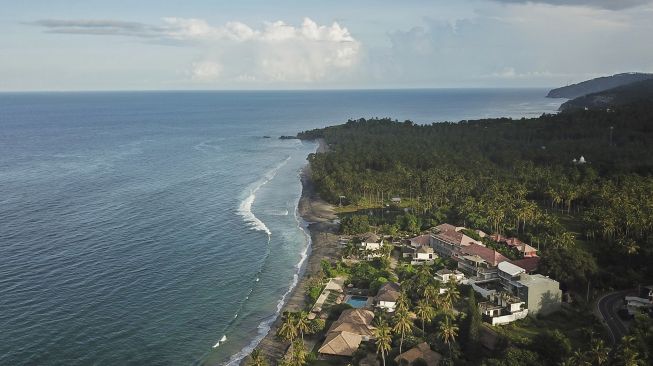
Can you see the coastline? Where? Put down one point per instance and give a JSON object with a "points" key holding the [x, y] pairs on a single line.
{"points": [[318, 216]]}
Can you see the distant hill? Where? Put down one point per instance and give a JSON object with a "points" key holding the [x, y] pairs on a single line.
{"points": [[641, 91], [597, 85]]}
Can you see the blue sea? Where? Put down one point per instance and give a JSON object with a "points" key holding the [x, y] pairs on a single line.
{"points": [[139, 228]]}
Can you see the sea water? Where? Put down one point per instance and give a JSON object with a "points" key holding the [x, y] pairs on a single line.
{"points": [[142, 228]]}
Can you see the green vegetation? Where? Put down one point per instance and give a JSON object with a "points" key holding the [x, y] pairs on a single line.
{"points": [[355, 224], [588, 221], [641, 91], [514, 177], [471, 327]]}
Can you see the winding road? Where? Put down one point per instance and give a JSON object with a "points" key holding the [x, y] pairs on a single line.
{"points": [[608, 306]]}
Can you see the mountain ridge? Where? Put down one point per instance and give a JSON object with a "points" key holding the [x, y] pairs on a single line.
{"points": [[641, 91], [597, 85]]}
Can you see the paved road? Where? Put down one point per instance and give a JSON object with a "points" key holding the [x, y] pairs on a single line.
{"points": [[608, 306]]}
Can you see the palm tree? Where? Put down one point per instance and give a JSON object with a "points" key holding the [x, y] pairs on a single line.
{"points": [[431, 292], [628, 355], [383, 339], [448, 333], [402, 302], [425, 270], [578, 358], [298, 353], [451, 296], [598, 353], [288, 330], [403, 325], [302, 323], [424, 311], [257, 359]]}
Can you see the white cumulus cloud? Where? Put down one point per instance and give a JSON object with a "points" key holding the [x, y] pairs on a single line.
{"points": [[237, 52]]}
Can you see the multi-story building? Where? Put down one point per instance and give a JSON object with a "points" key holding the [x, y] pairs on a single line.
{"points": [[509, 276], [448, 240], [541, 294], [478, 262]]}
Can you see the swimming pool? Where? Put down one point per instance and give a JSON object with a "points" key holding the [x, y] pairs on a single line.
{"points": [[357, 301]]}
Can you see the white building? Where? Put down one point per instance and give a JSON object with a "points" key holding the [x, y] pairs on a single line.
{"points": [[423, 255], [387, 296], [642, 302], [370, 241], [446, 275], [503, 308]]}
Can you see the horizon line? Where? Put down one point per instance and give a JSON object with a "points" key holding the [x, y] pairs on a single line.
{"points": [[267, 90]]}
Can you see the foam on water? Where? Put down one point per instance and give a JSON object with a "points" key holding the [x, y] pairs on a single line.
{"points": [[265, 325], [129, 234], [245, 208]]}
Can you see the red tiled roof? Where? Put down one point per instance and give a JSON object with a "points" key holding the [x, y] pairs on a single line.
{"points": [[448, 233], [422, 240], [529, 264], [513, 242], [489, 255]]}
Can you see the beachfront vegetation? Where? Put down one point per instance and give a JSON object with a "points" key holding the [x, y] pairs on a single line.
{"points": [[589, 220], [518, 177]]}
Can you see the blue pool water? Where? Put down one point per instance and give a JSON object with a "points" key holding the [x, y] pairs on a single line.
{"points": [[357, 301]]}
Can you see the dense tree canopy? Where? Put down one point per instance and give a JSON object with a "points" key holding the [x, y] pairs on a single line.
{"points": [[519, 177]]}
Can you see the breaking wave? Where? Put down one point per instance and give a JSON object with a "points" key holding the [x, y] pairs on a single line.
{"points": [[245, 207]]}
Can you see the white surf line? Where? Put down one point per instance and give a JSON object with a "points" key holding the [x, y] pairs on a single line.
{"points": [[245, 207], [265, 326], [245, 210]]}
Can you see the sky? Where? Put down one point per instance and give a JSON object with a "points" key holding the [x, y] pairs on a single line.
{"points": [[309, 44]]}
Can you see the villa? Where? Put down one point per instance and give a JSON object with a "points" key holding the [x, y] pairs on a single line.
{"points": [[370, 241], [423, 255], [387, 296], [420, 241], [446, 275], [346, 334], [372, 244], [422, 351]]}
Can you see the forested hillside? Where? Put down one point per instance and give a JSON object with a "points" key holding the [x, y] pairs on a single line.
{"points": [[520, 177], [597, 85], [639, 92]]}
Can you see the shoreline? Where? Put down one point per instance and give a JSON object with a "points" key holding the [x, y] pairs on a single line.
{"points": [[318, 216]]}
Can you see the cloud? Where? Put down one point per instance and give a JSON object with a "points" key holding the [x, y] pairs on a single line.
{"points": [[275, 52], [511, 73], [604, 4], [206, 71], [99, 27], [534, 44]]}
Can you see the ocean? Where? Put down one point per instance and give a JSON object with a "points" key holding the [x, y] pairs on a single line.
{"points": [[139, 228]]}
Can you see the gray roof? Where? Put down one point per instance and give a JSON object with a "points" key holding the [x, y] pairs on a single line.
{"points": [[390, 291], [370, 238]]}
